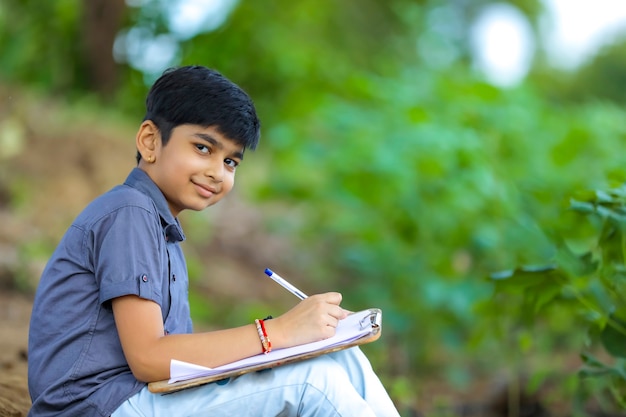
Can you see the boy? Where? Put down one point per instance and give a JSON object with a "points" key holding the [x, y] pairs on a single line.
{"points": [[111, 309]]}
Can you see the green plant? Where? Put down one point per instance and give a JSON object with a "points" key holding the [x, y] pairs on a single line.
{"points": [[407, 196], [587, 281]]}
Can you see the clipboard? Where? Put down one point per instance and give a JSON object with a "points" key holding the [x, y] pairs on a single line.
{"points": [[372, 322]]}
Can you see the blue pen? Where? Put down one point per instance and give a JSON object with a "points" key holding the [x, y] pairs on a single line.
{"points": [[285, 284]]}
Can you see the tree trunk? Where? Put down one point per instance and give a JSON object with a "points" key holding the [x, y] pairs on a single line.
{"points": [[102, 21]]}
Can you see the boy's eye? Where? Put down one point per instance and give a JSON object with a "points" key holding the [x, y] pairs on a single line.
{"points": [[231, 162], [202, 148]]}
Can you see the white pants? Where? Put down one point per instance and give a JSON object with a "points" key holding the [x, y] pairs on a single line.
{"points": [[337, 384]]}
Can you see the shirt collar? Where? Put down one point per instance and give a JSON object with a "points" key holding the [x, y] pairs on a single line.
{"points": [[139, 180]]}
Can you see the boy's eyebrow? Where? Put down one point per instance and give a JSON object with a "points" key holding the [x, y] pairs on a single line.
{"points": [[217, 143]]}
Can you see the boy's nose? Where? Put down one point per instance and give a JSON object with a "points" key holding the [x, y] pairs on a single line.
{"points": [[215, 172]]}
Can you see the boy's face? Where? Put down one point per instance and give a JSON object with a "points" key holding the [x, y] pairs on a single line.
{"points": [[195, 169]]}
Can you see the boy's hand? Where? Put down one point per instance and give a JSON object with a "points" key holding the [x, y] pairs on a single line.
{"points": [[314, 318]]}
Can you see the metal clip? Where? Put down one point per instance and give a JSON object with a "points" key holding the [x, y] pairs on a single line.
{"points": [[372, 320]]}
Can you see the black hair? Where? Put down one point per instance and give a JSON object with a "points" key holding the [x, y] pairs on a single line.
{"points": [[202, 96]]}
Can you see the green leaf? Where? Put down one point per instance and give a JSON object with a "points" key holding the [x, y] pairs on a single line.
{"points": [[525, 277], [613, 337], [590, 360], [577, 265]]}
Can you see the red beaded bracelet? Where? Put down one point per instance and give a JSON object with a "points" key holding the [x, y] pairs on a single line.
{"points": [[265, 340]]}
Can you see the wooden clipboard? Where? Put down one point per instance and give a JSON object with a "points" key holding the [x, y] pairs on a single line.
{"points": [[374, 320]]}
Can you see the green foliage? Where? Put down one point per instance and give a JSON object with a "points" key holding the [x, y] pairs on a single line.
{"points": [[588, 281], [39, 42], [409, 195]]}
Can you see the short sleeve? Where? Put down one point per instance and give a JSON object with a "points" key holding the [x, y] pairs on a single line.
{"points": [[129, 255]]}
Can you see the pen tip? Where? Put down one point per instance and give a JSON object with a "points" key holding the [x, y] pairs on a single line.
{"points": [[268, 272]]}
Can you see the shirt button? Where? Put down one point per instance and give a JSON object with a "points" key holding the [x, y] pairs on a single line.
{"points": [[144, 278], [174, 277]]}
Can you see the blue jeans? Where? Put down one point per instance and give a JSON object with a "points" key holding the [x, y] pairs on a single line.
{"points": [[337, 384]]}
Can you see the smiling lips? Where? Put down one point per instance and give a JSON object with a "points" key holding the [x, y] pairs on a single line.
{"points": [[205, 190]]}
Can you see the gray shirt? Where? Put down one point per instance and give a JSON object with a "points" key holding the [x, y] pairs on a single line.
{"points": [[124, 242]]}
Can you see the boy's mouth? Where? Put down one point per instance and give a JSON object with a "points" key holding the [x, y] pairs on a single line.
{"points": [[205, 190]]}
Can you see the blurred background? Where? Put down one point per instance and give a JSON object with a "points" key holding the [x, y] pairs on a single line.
{"points": [[457, 164]]}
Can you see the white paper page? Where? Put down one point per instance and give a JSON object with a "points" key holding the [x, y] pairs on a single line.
{"points": [[348, 329]]}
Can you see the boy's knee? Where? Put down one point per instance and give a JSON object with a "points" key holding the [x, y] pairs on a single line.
{"points": [[324, 374]]}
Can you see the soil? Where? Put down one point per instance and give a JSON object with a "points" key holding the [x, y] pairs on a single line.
{"points": [[14, 317]]}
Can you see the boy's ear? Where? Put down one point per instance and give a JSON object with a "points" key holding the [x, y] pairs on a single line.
{"points": [[147, 138]]}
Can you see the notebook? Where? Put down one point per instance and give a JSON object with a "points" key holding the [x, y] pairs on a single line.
{"points": [[358, 328]]}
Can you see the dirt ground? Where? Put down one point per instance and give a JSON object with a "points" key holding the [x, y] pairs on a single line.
{"points": [[14, 317]]}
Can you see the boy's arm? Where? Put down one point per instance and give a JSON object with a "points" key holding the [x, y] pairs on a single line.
{"points": [[149, 351]]}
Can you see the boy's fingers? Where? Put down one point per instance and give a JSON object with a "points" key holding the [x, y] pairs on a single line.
{"points": [[338, 313], [333, 298]]}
